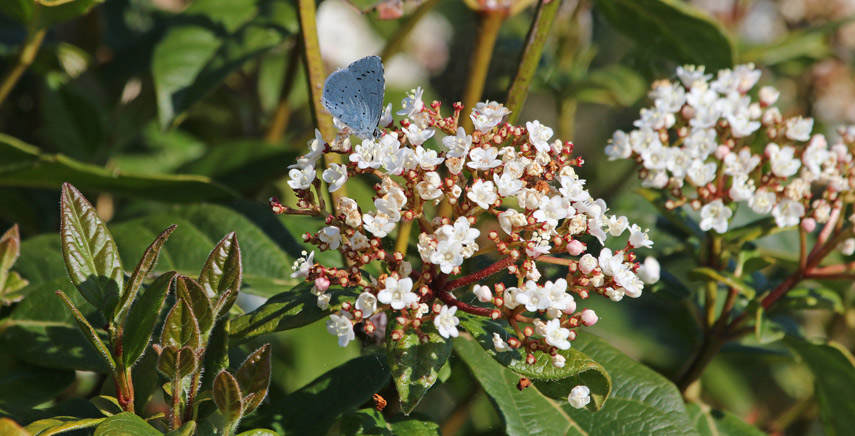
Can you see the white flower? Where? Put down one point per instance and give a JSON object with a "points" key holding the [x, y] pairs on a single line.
{"points": [[398, 293], [458, 146], [499, 344], [368, 154], [539, 135], [416, 135], [700, 173], [668, 96], [655, 158], [483, 194], [762, 202], [847, 247], [302, 265], [741, 125], [378, 223], [427, 159], [740, 163], [428, 188], [446, 323], [335, 175], [386, 119], [367, 303], [359, 242], [631, 284], [487, 115], [558, 361], [484, 294], [341, 326], [678, 162], [782, 160], [553, 210], [556, 335], [799, 128], [573, 189], [619, 147], [788, 213], [741, 189], [330, 235], [412, 104], [587, 263], [507, 184], [768, 95], [448, 254], [714, 215], [648, 272], [579, 397], [511, 218], [301, 178], [616, 224], [692, 75], [481, 159], [324, 301], [638, 238]]}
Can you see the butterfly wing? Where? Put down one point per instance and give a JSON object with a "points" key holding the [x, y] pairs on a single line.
{"points": [[344, 99], [368, 71]]}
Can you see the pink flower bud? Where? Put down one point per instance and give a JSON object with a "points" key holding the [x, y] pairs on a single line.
{"points": [[589, 317], [808, 224], [322, 284], [575, 247], [721, 152]]}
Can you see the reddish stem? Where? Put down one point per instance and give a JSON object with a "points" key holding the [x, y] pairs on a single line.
{"points": [[478, 275], [449, 299]]}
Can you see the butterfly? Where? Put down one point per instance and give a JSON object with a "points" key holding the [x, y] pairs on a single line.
{"points": [[355, 94]]}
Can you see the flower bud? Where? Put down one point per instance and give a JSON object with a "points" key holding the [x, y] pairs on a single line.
{"points": [[589, 317], [575, 247]]}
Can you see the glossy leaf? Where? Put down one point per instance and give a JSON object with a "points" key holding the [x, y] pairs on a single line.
{"points": [[288, 310], [180, 327], [364, 422], [615, 85], [28, 166], [142, 318], [415, 364], [89, 332], [24, 385], [144, 267], [227, 396], [671, 29], [253, 376], [61, 424], [711, 422], [221, 274], [177, 363], [125, 424], [90, 252], [723, 278], [552, 381], [194, 295], [833, 369]]}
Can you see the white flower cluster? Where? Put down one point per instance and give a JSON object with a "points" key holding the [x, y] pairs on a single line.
{"points": [[712, 136]]}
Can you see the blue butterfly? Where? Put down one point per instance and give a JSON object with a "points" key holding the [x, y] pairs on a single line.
{"points": [[355, 94]]}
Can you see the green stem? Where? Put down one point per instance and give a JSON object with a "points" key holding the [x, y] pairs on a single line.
{"points": [[25, 59], [175, 410], [283, 110], [488, 32], [535, 41], [396, 41]]}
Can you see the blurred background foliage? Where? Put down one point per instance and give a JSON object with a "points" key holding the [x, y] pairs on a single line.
{"points": [[153, 106]]}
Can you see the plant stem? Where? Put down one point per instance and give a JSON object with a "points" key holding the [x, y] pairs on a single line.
{"points": [[708, 350], [396, 41], [283, 109], [478, 275], [314, 66], [403, 240], [175, 410], [488, 32], [25, 59], [535, 41]]}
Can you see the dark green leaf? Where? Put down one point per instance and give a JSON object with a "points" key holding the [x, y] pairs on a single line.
{"points": [[194, 295], [188, 429], [737, 237], [723, 278], [107, 405], [24, 385], [180, 328], [807, 298], [90, 252], [414, 427], [221, 274], [288, 310], [89, 332], [45, 13], [143, 317], [364, 422], [258, 432], [615, 85], [126, 424], [216, 353], [811, 43], [711, 422], [146, 379], [253, 376], [24, 165], [227, 396], [243, 166], [833, 378], [144, 267], [766, 329], [671, 29], [415, 364]]}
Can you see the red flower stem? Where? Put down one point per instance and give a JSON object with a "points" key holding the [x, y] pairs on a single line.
{"points": [[554, 260], [449, 299], [478, 275]]}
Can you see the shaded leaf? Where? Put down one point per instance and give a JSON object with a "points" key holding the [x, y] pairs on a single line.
{"points": [[809, 298], [107, 405], [89, 332], [192, 293], [177, 363], [364, 422], [180, 327], [24, 385], [415, 364], [45, 13], [711, 422], [125, 424], [10, 249], [143, 317], [253, 376], [188, 429], [227, 396], [221, 274]]}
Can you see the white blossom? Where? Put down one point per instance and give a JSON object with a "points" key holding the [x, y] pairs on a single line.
{"points": [[341, 326], [446, 323], [714, 215], [579, 397], [398, 293]]}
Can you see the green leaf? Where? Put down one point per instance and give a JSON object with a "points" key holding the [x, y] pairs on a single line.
{"points": [[253, 376], [216, 353], [107, 405], [11, 428], [61, 424], [641, 401], [188, 429], [415, 427], [45, 13], [552, 381], [194, 295], [314, 408], [90, 252], [811, 43], [24, 165], [766, 329], [671, 29], [221, 274], [196, 55], [227, 396], [615, 85], [180, 327], [126, 424], [143, 317], [521, 411], [258, 432], [245, 165], [723, 278], [415, 364], [809, 298], [833, 369], [737, 237], [177, 363], [711, 422], [144, 267], [25, 385], [10, 250], [288, 310], [364, 422], [89, 332]]}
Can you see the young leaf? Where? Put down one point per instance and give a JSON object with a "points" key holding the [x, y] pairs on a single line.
{"points": [[221, 274], [142, 318], [89, 332], [191, 292], [90, 252], [833, 369], [126, 423], [180, 327], [415, 365], [253, 376], [144, 267], [227, 396], [723, 277], [177, 363], [10, 249]]}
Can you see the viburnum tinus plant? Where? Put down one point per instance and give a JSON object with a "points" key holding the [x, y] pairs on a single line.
{"points": [[494, 207], [718, 146]]}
